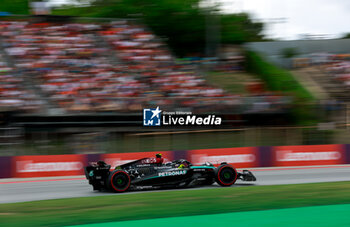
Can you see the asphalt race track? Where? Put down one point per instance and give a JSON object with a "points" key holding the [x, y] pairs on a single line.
{"points": [[21, 190]]}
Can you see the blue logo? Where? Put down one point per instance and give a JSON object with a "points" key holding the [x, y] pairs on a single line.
{"points": [[151, 117]]}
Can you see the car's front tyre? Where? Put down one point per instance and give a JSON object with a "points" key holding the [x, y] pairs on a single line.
{"points": [[226, 175]]}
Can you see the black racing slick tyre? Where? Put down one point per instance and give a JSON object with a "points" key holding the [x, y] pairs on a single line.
{"points": [[119, 181], [225, 175]]}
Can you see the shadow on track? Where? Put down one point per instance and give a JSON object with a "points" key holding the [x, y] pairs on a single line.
{"points": [[172, 189]]}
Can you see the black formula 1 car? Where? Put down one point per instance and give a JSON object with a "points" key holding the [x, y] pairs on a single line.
{"points": [[146, 174]]}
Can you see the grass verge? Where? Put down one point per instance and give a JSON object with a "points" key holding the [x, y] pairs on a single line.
{"points": [[278, 79], [132, 206]]}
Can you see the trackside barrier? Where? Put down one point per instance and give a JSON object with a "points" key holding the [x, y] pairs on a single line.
{"points": [[332, 154], [5, 167], [265, 154], [48, 165], [243, 157], [347, 153]]}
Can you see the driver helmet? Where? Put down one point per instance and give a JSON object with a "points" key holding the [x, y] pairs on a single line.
{"points": [[159, 159], [182, 163]]}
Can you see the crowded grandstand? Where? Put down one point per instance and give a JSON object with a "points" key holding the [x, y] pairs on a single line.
{"points": [[107, 67]]}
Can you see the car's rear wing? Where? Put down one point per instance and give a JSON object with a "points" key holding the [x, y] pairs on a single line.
{"points": [[95, 168]]}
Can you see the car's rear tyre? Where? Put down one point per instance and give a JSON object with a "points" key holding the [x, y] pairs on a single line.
{"points": [[225, 175], [119, 181]]}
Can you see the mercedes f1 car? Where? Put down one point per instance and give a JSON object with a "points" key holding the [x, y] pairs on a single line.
{"points": [[146, 174]]}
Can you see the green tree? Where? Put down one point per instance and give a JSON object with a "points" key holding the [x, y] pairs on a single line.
{"points": [[14, 6], [346, 36], [239, 28]]}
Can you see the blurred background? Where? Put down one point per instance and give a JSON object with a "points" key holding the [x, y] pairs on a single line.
{"points": [[76, 74]]}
